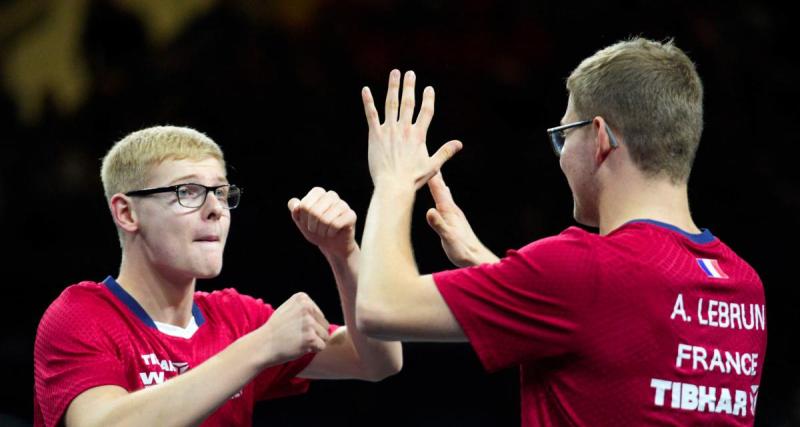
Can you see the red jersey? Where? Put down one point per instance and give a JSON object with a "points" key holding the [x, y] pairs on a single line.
{"points": [[96, 334], [648, 325]]}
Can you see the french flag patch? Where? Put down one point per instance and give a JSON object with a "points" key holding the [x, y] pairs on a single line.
{"points": [[711, 268]]}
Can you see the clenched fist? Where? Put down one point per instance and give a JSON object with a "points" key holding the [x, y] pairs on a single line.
{"points": [[296, 328], [326, 221]]}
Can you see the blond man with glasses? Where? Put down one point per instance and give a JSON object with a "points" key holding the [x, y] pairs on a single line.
{"points": [[145, 348]]}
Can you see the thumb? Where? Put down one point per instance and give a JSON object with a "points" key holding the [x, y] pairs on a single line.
{"points": [[294, 202], [436, 221], [445, 152]]}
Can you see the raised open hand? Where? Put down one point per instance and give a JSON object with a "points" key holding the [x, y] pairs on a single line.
{"points": [[397, 152]]}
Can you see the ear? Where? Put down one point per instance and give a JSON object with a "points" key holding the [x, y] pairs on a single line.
{"points": [[605, 141], [123, 212]]}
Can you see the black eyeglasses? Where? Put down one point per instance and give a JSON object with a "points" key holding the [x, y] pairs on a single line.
{"points": [[558, 135], [194, 195]]}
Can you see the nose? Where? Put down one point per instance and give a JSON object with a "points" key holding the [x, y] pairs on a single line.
{"points": [[213, 206]]}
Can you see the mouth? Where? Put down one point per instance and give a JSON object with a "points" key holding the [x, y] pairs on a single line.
{"points": [[207, 239]]}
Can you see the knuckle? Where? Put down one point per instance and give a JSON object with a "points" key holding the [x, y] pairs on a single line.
{"points": [[308, 318], [316, 213]]}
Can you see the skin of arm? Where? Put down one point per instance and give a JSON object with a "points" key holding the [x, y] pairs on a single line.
{"points": [[296, 328], [328, 222], [394, 301], [462, 246]]}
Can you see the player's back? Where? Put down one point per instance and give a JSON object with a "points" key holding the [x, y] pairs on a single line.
{"points": [[674, 330]]}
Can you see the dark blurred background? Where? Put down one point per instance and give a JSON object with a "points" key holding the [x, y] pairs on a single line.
{"points": [[277, 85]]}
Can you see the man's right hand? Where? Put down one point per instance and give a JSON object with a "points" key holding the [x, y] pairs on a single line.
{"points": [[296, 328], [448, 220]]}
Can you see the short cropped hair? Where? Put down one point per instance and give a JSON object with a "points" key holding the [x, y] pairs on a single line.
{"points": [[651, 93], [128, 164]]}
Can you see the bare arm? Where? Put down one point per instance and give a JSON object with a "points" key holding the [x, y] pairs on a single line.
{"points": [[328, 222], [296, 328], [394, 301]]}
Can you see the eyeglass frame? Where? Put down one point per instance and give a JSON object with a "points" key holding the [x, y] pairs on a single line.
{"points": [[557, 134], [176, 188]]}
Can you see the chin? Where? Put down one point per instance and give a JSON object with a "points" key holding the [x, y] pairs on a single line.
{"points": [[206, 274], [581, 217], [208, 270]]}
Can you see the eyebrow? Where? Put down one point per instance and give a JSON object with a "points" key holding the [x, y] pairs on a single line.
{"points": [[175, 181]]}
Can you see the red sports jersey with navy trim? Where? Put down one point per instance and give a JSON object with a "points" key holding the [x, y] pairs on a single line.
{"points": [[96, 334], [648, 325]]}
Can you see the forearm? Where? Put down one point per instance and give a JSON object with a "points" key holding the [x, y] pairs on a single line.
{"points": [[480, 254], [393, 300], [387, 264], [196, 394], [378, 359]]}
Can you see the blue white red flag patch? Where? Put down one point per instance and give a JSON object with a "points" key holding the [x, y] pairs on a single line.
{"points": [[711, 268]]}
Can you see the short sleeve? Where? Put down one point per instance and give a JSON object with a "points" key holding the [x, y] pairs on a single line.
{"points": [[72, 354], [528, 306]]}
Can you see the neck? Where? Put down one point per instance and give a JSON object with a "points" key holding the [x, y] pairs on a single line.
{"points": [[645, 198], [165, 299]]}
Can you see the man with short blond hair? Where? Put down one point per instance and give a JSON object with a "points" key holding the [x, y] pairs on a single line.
{"points": [[146, 348]]}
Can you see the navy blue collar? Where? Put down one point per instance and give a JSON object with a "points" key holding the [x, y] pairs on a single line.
{"points": [[137, 309], [701, 238]]}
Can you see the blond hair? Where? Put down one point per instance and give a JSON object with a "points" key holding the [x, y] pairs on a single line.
{"points": [[127, 165], [651, 93]]}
